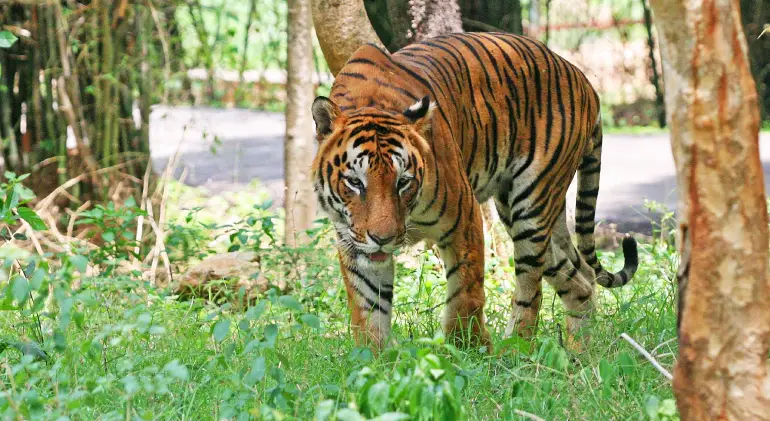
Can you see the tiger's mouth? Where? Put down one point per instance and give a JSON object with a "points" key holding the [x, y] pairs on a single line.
{"points": [[363, 247], [379, 256]]}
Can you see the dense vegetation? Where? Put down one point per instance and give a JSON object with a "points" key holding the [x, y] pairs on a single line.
{"points": [[85, 338]]}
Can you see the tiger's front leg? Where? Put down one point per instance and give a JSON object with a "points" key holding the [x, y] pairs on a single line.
{"points": [[369, 287], [462, 250]]}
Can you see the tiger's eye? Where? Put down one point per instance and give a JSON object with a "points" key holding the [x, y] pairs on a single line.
{"points": [[355, 182], [404, 183]]}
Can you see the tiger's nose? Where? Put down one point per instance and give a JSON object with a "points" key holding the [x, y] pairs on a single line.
{"points": [[381, 241]]}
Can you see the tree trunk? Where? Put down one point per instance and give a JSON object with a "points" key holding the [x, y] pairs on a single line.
{"points": [[300, 142], [341, 26], [756, 14], [492, 16], [432, 18], [724, 293], [660, 107]]}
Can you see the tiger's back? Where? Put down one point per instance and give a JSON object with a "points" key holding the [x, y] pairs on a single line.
{"points": [[513, 121]]}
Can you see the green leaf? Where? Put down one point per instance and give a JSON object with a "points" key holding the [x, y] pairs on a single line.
{"points": [[651, 406], [221, 329], [626, 363], [606, 371], [108, 236], [175, 369], [290, 302], [378, 397], [324, 410], [254, 312], [32, 218], [271, 333], [80, 262], [131, 384], [7, 39], [348, 414], [20, 289], [311, 320], [257, 371], [517, 344]]}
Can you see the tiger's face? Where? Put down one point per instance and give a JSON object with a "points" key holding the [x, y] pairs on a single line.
{"points": [[369, 172]]}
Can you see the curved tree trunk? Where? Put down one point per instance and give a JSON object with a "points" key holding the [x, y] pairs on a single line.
{"points": [[341, 26], [299, 146], [724, 289]]}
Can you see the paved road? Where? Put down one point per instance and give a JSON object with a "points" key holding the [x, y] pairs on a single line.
{"points": [[249, 145]]}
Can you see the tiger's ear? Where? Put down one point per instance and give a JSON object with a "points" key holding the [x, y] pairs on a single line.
{"points": [[419, 114], [325, 112]]}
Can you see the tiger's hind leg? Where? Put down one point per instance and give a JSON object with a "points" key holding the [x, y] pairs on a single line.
{"points": [[531, 238], [573, 280]]}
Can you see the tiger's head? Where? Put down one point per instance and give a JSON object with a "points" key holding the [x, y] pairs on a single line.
{"points": [[369, 172]]}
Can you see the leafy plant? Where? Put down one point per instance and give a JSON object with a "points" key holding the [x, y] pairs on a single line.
{"points": [[13, 199], [116, 227]]}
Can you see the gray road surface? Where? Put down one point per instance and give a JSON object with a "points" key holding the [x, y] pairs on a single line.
{"points": [[249, 145]]}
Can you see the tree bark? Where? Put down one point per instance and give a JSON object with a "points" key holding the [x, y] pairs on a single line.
{"points": [[432, 18], [492, 16], [341, 26], [300, 143], [724, 318]]}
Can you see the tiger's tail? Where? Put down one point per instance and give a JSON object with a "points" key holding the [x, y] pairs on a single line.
{"points": [[585, 214]]}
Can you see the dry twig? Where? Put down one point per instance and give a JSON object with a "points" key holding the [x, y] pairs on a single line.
{"points": [[649, 357], [527, 415]]}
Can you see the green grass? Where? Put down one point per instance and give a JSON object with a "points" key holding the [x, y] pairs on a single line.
{"points": [[121, 348]]}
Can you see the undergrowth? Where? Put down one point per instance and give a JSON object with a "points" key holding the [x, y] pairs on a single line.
{"points": [[82, 340]]}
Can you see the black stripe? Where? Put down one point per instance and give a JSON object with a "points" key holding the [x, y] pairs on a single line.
{"points": [[454, 295], [583, 230], [454, 269], [531, 261], [527, 304], [373, 305], [584, 206], [385, 292], [354, 75], [525, 234], [589, 193], [583, 298], [457, 222], [361, 60], [550, 272], [588, 219]]}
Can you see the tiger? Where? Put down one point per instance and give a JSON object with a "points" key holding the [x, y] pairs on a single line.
{"points": [[409, 145]]}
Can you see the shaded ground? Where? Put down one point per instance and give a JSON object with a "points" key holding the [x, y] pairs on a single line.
{"points": [[249, 145]]}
